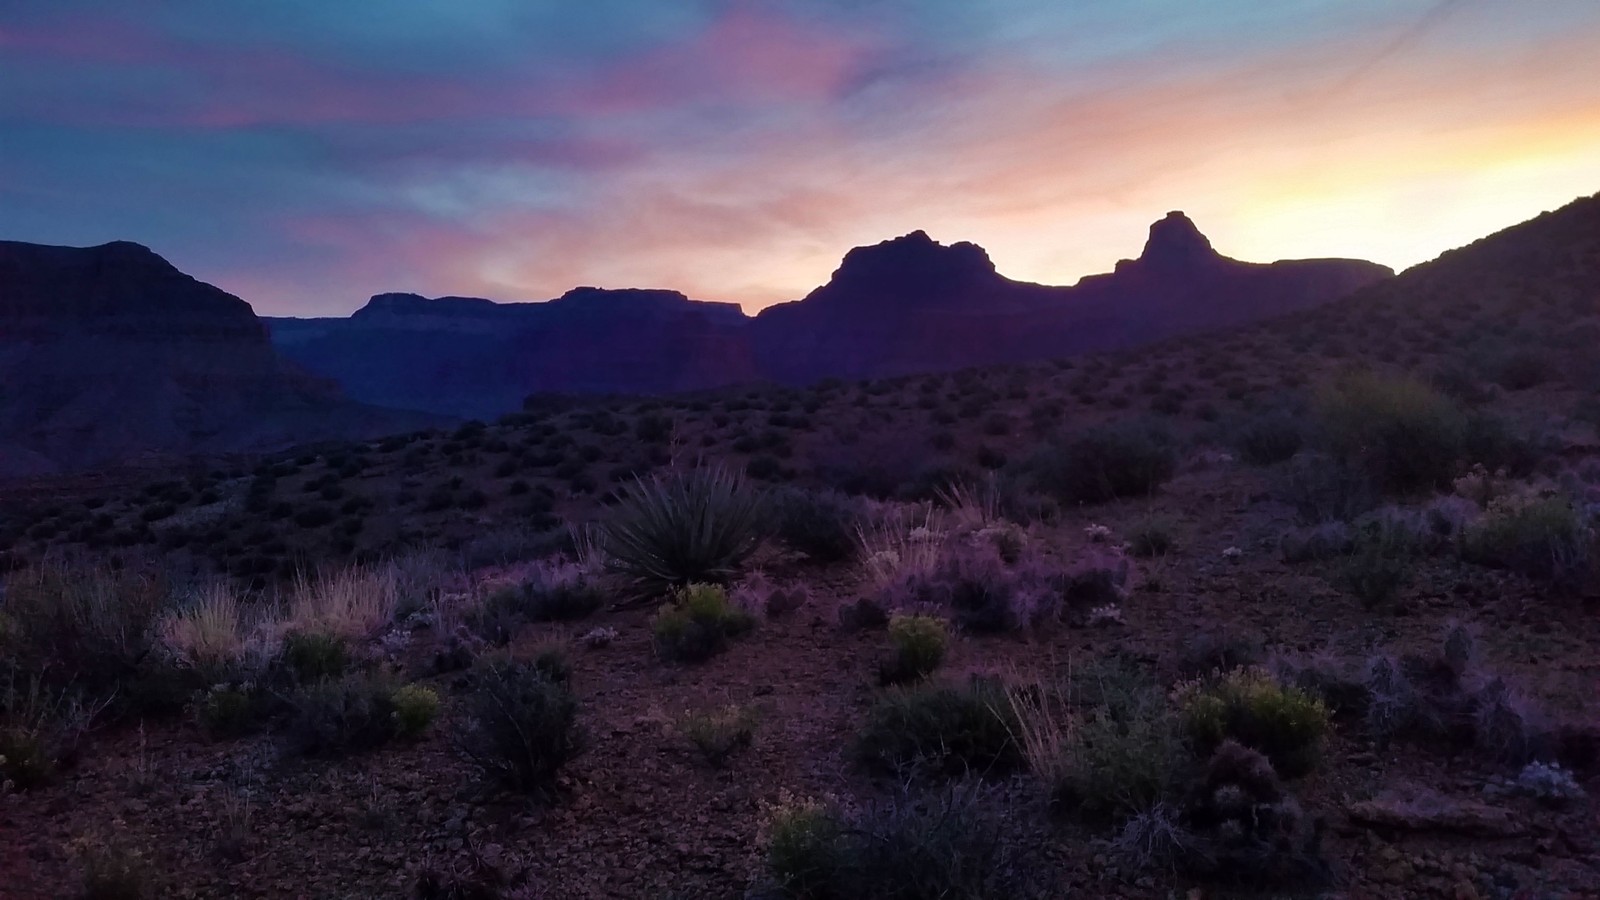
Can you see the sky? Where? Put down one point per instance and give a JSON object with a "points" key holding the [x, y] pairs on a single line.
{"points": [[305, 154]]}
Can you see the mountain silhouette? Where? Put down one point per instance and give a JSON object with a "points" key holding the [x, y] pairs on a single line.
{"points": [[905, 305], [108, 353]]}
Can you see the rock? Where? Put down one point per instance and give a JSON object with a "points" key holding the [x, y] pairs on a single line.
{"points": [[1431, 812]]}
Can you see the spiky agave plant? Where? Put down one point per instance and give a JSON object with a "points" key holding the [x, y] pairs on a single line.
{"points": [[696, 526]]}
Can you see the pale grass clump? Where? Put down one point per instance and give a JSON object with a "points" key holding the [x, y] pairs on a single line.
{"points": [[894, 547], [211, 633], [1045, 731], [351, 603]]}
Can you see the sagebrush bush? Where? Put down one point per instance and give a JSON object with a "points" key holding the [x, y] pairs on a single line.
{"points": [[415, 708], [820, 524], [1543, 537], [1269, 438], [941, 729], [1101, 759], [1126, 459], [522, 725], [1152, 537], [229, 711], [315, 656], [919, 646], [697, 624], [1253, 708], [693, 526], [718, 733], [904, 848], [1405, 435], [80, 623], [347, 715], [553, 592], [40, 730], [1378, 568]]}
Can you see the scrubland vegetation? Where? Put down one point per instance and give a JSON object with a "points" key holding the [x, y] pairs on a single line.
{"points": [[1305, 608]]}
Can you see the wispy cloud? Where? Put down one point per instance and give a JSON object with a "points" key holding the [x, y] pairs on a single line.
{"points": [[307, 154]]}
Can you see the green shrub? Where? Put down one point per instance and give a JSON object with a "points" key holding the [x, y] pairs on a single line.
{"points": [[315, 656], [697, 624], [1150, 538], [348, 715], [941, 730], [1542, 538], [555, 593], [80, 624], [1105, 463], [40, 728], [905, 848], [695, 526], [1251, 707], [1107, 751], [415, 708], [522, 727], [1405, 435], [807, 853], [1269, 438], [719, 733], [820, 524], [1378, 569], [229, 711], [920, 644]]}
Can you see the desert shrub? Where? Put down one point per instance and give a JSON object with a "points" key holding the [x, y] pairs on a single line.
{"points": [[554, 592], [1543, 537], [968, 575], [1107, 759], [230, 711], [1493, 443], [40, 730], [350, 603], [919, 646], [1152, 537], [695, 526], [209, 635], [1378, 569], [522, 725], [904, 848], [1243, 827], [820, 524], [79, 624], [415, 708], [1403, 434], [697, 624], [719, 733], [113, 873], [941, 729], [1122, 460], [347, 715], [1269, 438], [1253, 708], [1520, 368], [315, 656], [1323, 490]]}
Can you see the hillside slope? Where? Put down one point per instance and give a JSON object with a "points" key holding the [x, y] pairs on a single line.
{"points": [[110, 353]]}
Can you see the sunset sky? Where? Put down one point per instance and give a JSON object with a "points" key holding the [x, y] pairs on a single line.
{"points": [[305, 154]]}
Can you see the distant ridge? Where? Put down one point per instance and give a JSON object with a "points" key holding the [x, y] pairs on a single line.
{"points": [[910, 304], [109, 353]]}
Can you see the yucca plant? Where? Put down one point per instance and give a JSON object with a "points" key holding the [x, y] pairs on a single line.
{"points": [[694, 526]]}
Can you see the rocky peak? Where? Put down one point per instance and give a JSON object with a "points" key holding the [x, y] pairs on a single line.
{"points": [[1176, 243], [120, 285], [908, 270]]}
